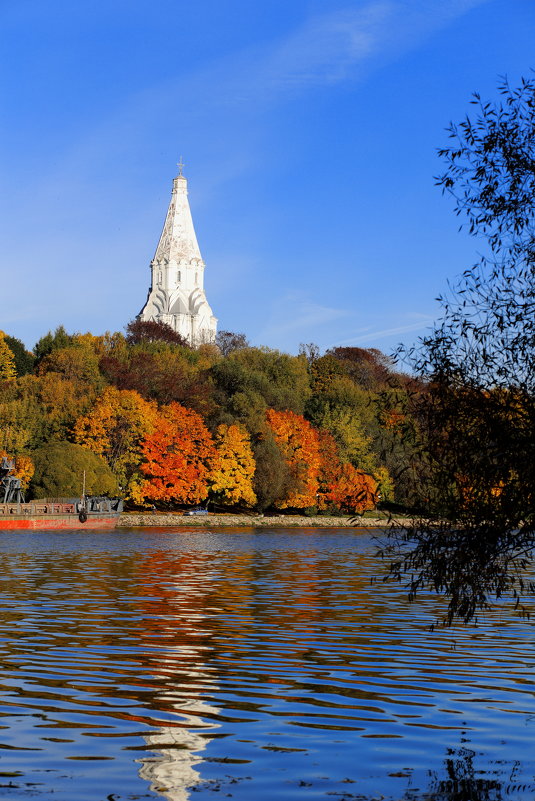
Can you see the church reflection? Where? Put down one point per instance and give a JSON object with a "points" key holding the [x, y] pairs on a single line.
{"points": [[178, 746], [199, 624], [277, 636], [175, 635], [200, 661]]}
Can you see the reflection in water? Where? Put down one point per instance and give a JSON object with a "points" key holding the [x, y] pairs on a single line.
{"points": [[173, 608], [155, 664], [179, 747], [460, 780]]}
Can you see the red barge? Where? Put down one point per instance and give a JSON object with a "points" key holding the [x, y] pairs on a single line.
{"points": [[87, 512]]}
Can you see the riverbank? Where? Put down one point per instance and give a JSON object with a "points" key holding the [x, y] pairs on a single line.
{"points": [[159, 519]]}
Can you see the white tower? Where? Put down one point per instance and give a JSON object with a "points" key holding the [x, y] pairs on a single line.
{"points": [[176, 295]]}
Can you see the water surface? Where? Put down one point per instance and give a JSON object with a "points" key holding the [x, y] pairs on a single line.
{"points": [[251, 664]]}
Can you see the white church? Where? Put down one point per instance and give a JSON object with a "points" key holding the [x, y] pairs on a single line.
{"points": [[176, 295]]}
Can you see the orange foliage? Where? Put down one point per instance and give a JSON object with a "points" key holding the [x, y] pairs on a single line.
{"points": [[354, 491], [299, 444], [393, 419], [178, 458], [330, 469], [341, 484]]}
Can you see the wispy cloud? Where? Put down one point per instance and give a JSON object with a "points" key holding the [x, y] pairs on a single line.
{"points": [[325, 48], [231, 93], [294, 313], [338, 45], [373, 334], [217, 115]]}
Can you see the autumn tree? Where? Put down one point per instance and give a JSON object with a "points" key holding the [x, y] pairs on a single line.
{"points": [[75, 363], [299, 445], [138, 331], [330, 470], [37, 409], [177, 459], [341, 485], [115, 427], [231, 481], [111, 343], [162, 372], [354, 491], [7, 360], [368, 367]]}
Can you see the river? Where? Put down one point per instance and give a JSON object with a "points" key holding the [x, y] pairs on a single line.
{"points": [[249, 664]]}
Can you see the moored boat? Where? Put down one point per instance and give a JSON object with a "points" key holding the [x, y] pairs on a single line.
{"points": [[86, 512]]}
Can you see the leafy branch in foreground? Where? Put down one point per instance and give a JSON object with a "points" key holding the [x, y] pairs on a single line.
{"points": [[477, 482]]}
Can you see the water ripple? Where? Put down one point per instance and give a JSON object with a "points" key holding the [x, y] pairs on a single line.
{"points": [[157, 664]]}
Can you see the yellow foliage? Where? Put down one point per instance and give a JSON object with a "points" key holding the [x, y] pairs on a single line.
{"points": [[37, 409], [232, 476], [115, 428], [13, 436], [385, 484], [102, 345], [7, 360]]}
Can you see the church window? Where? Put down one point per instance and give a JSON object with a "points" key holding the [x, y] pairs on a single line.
{"points": [[160, 277], [196, 274], [178, 277]]}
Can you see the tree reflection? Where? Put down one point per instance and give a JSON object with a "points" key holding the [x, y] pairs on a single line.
{"points": [[462, 780]]}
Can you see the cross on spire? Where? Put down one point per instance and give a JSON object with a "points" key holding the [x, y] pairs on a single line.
{"points": [[180, 166]]}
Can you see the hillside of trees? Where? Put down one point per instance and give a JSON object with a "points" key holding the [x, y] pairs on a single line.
{"points": [[242, 427]]}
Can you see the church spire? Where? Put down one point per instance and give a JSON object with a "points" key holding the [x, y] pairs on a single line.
{"points": [[176, 296], [178, 238]]}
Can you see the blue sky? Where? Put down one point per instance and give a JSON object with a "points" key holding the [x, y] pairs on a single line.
{"points": [[309, 131]]}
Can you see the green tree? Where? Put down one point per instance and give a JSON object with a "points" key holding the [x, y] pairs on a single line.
{"points": [[59, 472], [477, 416], [282, 381], [272, 479], [24, 360], [59, 339], [347, 412]]}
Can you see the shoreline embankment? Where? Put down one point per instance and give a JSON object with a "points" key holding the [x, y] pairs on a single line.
{"points": [[173, 519]]}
